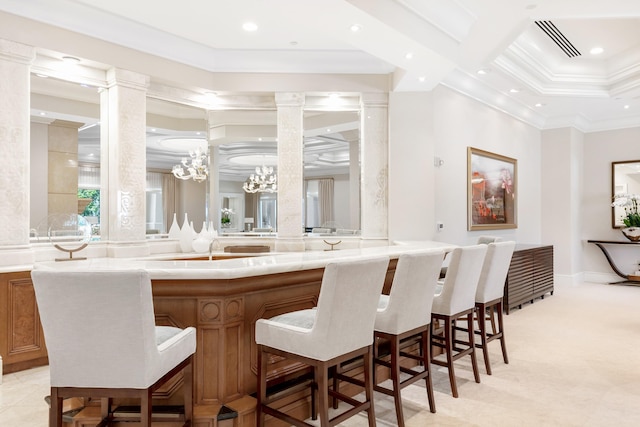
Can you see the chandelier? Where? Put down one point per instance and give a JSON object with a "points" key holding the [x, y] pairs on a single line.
{"points": [[263, 181], [198, 169]]}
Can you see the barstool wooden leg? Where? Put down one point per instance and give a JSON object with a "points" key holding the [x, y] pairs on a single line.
{"points": [[187, 385], [482, 326], [501, 327], [448, 344], [474, 360], [322, 379], [55, 411], [145, 408], [262, 385], [394, 343], [368, 385], [426, 361]]}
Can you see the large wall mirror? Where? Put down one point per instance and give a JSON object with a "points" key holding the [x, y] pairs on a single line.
{"points": [[332, 172], [243, 140], [625, 179], [65, 130], [65, 145], [173, 131]]}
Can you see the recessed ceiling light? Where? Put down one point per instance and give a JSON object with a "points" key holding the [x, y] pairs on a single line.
{"points": [[42, 113], [483, 71], [70, 59], [409, 55], [539, 104], [514, 90], [250, 27], [355, 28], [422, 79], [626, 107], [328, 129], [596, 50]]}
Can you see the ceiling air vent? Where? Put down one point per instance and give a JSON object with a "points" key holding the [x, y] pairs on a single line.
{"points": [[558, 38]]}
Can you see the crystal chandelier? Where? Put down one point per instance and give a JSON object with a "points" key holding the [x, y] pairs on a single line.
{"points": [[263, 181], [198, 169]]}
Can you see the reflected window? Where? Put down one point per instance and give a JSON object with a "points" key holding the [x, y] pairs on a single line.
{"points": [[89, 196], [267, 211], [155, 223], [319, 202]]}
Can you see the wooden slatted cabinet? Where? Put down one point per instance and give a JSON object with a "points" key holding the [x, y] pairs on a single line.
{"points": [[530, 275]]}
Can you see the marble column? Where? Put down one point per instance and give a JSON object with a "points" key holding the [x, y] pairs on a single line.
{"points": [[15, 61], [62, 194], [374, 165], [290, 171], [123, 163], [354, 183]]}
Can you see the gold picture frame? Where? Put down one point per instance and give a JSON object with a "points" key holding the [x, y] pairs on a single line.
{"points": [[491, 190]]}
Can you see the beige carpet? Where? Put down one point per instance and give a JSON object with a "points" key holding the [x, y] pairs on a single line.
{"points": [[574, 361]]}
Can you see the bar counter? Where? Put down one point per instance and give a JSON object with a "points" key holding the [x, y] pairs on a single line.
{"points": [[223, 299]]}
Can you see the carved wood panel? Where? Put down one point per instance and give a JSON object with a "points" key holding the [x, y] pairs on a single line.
{"points": [[22, 340]]}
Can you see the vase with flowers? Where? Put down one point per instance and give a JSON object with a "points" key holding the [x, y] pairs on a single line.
{"points": [[631, 217], [225, 219]]}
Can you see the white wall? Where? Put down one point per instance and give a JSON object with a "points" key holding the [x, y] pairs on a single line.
{"points": [[460, 122], [444, 123], [411, 170]]}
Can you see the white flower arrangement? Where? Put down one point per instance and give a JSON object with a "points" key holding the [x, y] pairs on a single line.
{"points": [[226, 215], [629, 202]]}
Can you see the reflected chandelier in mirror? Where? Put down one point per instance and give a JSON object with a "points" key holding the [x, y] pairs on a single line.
{"points": [[263, 181], [198, 169]]}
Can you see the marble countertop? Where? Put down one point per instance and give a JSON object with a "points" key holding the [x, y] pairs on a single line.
{"points": [[254, 265]]}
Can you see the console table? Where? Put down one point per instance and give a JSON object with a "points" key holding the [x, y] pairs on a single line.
{"points": [[530, 275], [602, 244]]}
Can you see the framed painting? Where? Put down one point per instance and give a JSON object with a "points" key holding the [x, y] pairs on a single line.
{"points": [[491, 190]]}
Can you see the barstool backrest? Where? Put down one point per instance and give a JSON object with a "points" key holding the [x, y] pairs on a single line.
{"points": [[412, 291], [494, 271], [485, 240], [348, 302], [461, 281], [99, 328]]}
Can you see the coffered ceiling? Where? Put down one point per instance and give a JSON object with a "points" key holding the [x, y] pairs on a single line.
{"points": [[419, 44]]}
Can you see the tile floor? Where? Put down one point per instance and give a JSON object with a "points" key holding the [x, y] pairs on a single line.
{"points": [[574, 361]]}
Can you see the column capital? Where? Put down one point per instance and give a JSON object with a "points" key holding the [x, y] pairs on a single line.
{"points": [[17, 52], [290, 99], [126, 78], [374, 99]]}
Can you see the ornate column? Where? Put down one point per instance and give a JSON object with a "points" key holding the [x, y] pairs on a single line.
{"points": [[374, 165], [123, 163], [15, 61], [290, 171]]}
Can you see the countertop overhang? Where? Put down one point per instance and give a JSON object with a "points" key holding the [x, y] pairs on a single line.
{"points": [[251, 265]]}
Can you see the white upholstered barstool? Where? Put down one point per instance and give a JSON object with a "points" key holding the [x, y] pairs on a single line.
{"points": [[489, 297], [405, 314], [340, 328], [102, 341], [481, 240], [457, 300]]}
